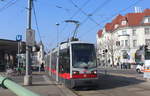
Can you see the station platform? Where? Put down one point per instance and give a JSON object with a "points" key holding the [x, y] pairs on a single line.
{"points": [[42, 85]]}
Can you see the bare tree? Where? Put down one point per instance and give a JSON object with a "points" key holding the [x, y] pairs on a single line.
{"points": [[111, 43]]}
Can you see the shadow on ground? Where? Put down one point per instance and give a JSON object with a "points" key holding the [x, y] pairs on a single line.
{"points": [[109, 81]]}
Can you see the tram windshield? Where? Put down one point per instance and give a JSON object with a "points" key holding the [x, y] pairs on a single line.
{"points": [[83, 56]]}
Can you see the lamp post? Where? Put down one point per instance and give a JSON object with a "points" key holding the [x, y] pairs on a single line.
{"points": [[57, 25], [57, 68], [29, 43]]}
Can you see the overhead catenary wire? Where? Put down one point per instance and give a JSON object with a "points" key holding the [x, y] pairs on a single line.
{"points": [[93, 12], [73, 15], [97, 9], [123, 10], [75, 5], [36, 22], [8, 4], [135, 3], [78, 10], [101, 6]]}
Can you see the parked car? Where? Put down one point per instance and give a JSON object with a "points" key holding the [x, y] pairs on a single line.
{"points": [[140, 68]]}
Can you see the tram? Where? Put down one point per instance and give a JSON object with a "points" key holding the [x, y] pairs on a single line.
{"points": [[73, 64]]}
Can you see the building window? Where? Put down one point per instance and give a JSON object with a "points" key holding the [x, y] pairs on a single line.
{"points": [[122, 43], [134, 43], [124, 22], [126, 42], [147, 42], [147, 31], [117, 43], [116, 26], [134, 32], [147, 20], [124, 32]]}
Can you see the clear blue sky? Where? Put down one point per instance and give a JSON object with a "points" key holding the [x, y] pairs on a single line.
{"points": [[49, 12]]}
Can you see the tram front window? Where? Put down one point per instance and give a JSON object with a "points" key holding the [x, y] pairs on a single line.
{"points": [[83, 56]]}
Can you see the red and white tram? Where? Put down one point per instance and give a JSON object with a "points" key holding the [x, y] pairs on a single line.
{"points": [[73, 63]]}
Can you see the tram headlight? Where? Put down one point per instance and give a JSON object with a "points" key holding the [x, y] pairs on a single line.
{"points": [[75, 72], [94, 72]]}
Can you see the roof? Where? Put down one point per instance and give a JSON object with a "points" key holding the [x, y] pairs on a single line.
{"points": [[132, 19], [10, 45]]}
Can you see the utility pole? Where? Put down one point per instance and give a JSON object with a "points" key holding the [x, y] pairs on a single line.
{"points": [[29, 33], [18, 54], [57, 68]]}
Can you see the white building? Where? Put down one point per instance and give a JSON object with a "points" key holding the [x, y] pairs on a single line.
{"points": [[123, 36], [39, 56]]}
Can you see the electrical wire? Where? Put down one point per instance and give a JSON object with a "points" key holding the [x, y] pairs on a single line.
{"points": [[78, 10], [101, 6], [97, 9], [73, 15], [137, 2], [88, 15], [36, 22], [9, 4]]}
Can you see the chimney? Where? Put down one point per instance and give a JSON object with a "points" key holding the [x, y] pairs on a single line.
{"points": [[137, 9]]}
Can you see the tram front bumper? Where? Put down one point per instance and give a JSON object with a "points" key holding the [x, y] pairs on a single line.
{"points": [[85, 82]]}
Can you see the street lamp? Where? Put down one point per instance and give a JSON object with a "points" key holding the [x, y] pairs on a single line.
{"points": [[57, 24]]}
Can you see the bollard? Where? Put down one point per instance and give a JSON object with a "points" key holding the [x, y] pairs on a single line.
{"points": [[15, 88]]}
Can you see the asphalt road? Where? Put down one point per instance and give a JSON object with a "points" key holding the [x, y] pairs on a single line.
{"points": [[122, 72], [117, 83]]}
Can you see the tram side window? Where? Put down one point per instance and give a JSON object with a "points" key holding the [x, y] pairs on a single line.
{"points": [[54, 60], [64, 61], [147, 55]]}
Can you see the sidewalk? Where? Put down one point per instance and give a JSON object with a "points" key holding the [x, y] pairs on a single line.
{"points": [[41, 85]]}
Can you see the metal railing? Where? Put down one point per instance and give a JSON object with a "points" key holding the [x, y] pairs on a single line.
{"points": [[15, 88]]}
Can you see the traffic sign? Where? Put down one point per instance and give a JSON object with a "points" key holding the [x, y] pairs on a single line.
{"points": [[19, 38], [30, 37]]}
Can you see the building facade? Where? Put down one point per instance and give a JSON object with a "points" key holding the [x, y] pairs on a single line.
{"points": [[8, 53], [122, 37]]}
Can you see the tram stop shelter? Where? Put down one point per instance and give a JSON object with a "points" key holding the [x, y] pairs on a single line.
{"points": [[8, 53]]}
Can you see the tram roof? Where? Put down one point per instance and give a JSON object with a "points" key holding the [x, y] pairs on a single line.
{"points": [[65, 45]]}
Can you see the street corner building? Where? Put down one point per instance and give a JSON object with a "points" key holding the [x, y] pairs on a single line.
{"points": [[122, 37]]}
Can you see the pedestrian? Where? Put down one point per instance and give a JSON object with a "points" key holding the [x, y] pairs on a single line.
{"points": [[18, 71]]}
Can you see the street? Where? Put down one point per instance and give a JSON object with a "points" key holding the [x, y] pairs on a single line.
{"points": [[116, 82], [119, 83]]}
